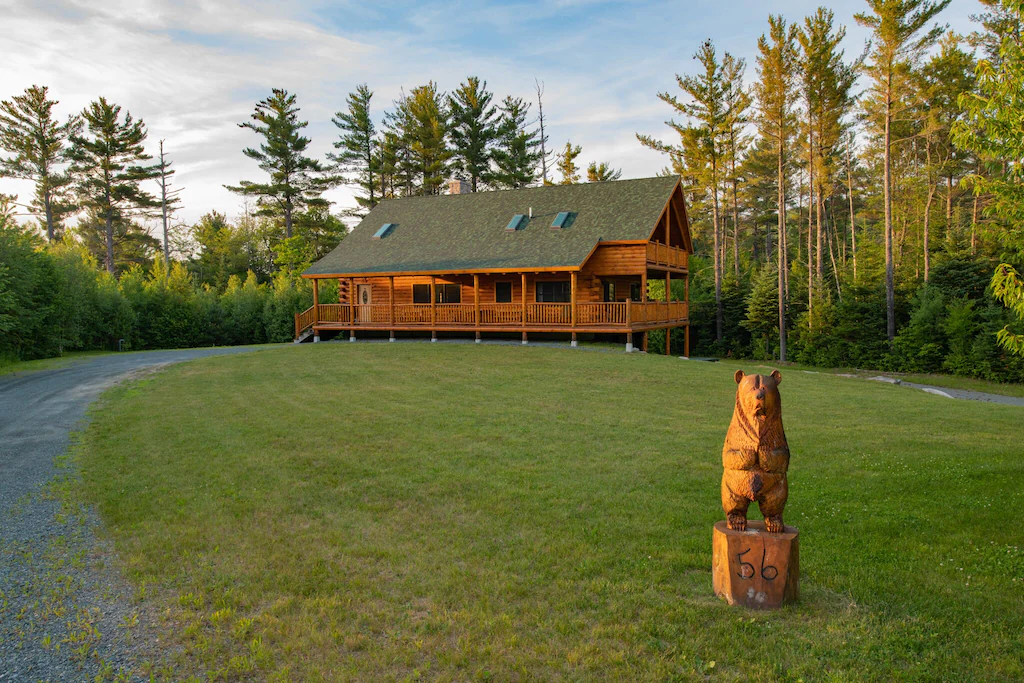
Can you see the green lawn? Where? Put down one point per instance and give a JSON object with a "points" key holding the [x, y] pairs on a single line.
{"points": [[375, 511]]}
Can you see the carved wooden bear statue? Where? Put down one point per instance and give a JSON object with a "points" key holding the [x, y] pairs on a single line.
{"points": [[756, 455]]}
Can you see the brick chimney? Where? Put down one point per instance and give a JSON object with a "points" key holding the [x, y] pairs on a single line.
{"points": [[458, 187]]}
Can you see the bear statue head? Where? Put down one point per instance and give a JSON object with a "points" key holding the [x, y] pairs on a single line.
{"points": [[758, 395]]}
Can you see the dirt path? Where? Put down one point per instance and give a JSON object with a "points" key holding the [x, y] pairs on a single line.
{"points": [[963, 394], [64, 613]]}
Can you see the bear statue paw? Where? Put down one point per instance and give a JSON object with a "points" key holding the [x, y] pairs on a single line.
{"points": [[774, 524], [737, 521]]}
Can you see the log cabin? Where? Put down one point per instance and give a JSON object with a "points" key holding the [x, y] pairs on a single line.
{"points": [[554, 260]]}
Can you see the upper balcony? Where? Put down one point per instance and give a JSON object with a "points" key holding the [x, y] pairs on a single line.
{"points": [[664, 256]]}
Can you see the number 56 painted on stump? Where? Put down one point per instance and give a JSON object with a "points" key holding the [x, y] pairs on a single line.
{"points": [[768, 572]]}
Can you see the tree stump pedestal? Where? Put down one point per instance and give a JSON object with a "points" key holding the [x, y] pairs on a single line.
{"points": [[754, 568]]}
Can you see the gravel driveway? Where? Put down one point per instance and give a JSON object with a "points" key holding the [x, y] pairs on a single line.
{"points": [[65, 615]]}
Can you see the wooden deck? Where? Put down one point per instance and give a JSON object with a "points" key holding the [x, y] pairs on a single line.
{"points": [[618, 317]]}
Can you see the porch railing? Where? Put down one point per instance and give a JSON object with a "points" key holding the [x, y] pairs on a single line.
{"points": [[625, 315], [664, 255]]}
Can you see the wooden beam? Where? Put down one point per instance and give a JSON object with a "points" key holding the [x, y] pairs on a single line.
{"points": [[352, 300], [668, 223], [668, 341], [524, 305], [391, 300], [433, 302], [476, 300], [686, 341], [668, 286], [643, 286], [573, 300]]}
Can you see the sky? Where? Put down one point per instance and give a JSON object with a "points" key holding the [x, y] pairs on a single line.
{"points": [[194, 69]]}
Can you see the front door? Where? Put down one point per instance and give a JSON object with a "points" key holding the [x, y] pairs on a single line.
{"points": [[364, 299]]}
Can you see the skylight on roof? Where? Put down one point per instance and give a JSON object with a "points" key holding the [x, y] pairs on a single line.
{"points": [[518, 222], [384, 231], [563, 219]]}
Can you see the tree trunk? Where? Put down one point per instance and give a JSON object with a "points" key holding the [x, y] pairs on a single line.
{"points": [[849, 192], [974, 226], [288, 218], [718, 254], [832, 257], [819, 274], [49, 212], [163, 207], [110, 230], [890, 289], [810, 228], [927, 221], [735, 218], [782, 253]]}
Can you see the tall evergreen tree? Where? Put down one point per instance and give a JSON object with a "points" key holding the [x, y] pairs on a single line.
{"points": [[737, 101], [516, 152], [296, 181], [775, 96], [427, 135], [947, 74], [566, 164], [397, 152], [991, 130], [826, 83], [542, 136], [358, 157], [602, 172], [169, 200], [707, 92], [899, 40], [39, 145], [474, 129], [106, 164]]}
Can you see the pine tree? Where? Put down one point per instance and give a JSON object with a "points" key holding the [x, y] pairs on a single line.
{"points": [[296, 181], [737, 101], [473, 131], [775, 96], [515, 153], [990, 129], [946, 75], [566, 164], [397, 152], [600, 173], [38, 143], [542, 138], [707, 105], [826, 84], [105, 163], [169, 200], [428, 137], [898, 43], [358, 156]]}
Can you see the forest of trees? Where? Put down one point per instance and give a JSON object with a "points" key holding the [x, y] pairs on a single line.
{"points": [[847, 210]]}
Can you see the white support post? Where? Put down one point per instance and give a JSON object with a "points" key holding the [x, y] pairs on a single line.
{"points": [[352, 336], [316, 338]]}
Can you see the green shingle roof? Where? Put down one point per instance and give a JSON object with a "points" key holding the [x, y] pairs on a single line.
{"points": [[467, 231]]}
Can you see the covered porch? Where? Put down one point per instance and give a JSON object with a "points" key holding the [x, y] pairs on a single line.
{"points": [[484, 313]]}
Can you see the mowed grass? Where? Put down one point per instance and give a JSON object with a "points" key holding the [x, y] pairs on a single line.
{"points": [[403, 511]]}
